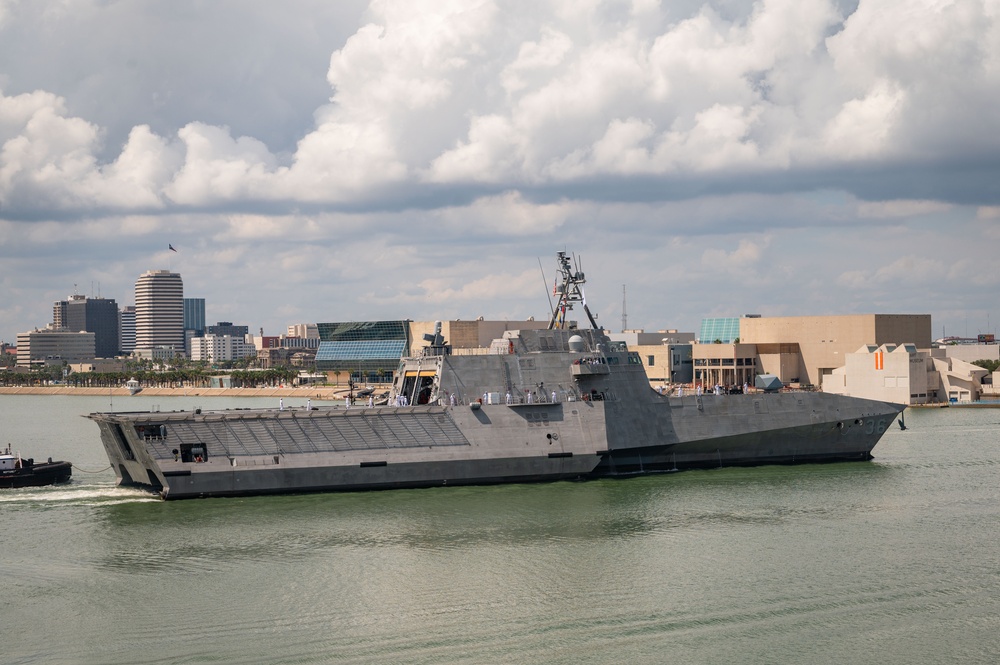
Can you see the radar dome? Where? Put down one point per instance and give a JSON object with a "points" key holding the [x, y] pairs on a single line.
{"points": [[576, 344]]}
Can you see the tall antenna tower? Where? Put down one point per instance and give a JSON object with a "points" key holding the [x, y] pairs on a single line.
{"points": [[624, 314], [569, 290]]}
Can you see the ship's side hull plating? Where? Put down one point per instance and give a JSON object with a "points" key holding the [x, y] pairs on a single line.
{"points": [[247, 452]]}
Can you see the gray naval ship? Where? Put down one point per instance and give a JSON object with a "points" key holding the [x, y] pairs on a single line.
{"points": [[538, 405]]}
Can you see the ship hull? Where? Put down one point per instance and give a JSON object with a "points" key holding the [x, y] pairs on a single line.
{"points": [[187, 455]]}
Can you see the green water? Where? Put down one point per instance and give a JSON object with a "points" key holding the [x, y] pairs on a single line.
{"points": [[894, 561]]}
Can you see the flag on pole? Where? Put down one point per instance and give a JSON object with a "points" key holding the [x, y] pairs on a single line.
{"points": [[171, 247], [555, 288]]}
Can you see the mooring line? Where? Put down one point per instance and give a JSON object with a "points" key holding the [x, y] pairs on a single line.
{"points": [[86, 471]]}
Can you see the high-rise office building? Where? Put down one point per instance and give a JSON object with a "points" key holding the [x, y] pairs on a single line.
{"points": [[97, 315], [194, 316], [126, 329], [159, 310]]}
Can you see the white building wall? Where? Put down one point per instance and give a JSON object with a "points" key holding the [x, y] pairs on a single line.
{"points": [[960, 381], [303, 330], [903, 375], [35, 347], [973, 352], [218, 348]]}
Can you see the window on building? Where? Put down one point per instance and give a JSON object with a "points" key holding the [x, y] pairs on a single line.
{"points": [[652, 360]]}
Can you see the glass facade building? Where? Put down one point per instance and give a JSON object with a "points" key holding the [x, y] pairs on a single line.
{"points": [[726, 330], [194, 315], [96, 315], [126, 329], [365, 349]]}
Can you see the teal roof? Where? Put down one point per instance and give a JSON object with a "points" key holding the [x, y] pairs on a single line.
{"points": [[725, 330], [391, 349]]}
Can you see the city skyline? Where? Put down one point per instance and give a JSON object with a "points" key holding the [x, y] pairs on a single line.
{"points": [[358, 161]]}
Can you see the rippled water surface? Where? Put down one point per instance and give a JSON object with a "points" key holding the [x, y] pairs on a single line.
{"points": [[894, 561]]}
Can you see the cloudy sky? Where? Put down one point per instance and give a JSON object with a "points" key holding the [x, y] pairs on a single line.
{"points": [[326, 161]]}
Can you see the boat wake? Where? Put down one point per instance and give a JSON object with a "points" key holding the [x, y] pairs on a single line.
{"points": [[103, 494]]}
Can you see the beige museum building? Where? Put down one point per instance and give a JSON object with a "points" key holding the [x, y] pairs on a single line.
{"points": [[880, 356]]}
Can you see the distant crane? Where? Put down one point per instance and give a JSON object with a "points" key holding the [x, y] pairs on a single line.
{"points": [[624, 314]]}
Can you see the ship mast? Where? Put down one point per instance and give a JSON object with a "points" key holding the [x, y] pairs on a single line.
{"points": [[568, 292]]}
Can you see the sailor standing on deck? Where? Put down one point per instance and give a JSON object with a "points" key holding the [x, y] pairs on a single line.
{"points": [[281, 404]]}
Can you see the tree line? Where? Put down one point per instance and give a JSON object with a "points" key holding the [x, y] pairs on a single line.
{"points": [[172, 378]]}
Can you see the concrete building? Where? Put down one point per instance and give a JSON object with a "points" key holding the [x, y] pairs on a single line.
{"points": [[905, 375], [8, 354], [472, 334], [227, 328], [262, 342], [799, 350], [96, 315], [159, 310], [98, 365], [726, 365], [54, 346], [220, 348], [287, 357], [665, 354], [972, 352], [126, 329], [162, 356], [303, 331], [298, 343], [803, 349], [371, 350]]}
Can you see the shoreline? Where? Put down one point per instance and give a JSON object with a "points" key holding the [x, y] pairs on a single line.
{"points": [[313, 392], [308, 392]]}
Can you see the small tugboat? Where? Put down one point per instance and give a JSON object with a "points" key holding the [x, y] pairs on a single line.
{"points": [[18, 472], [133, 386]]}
